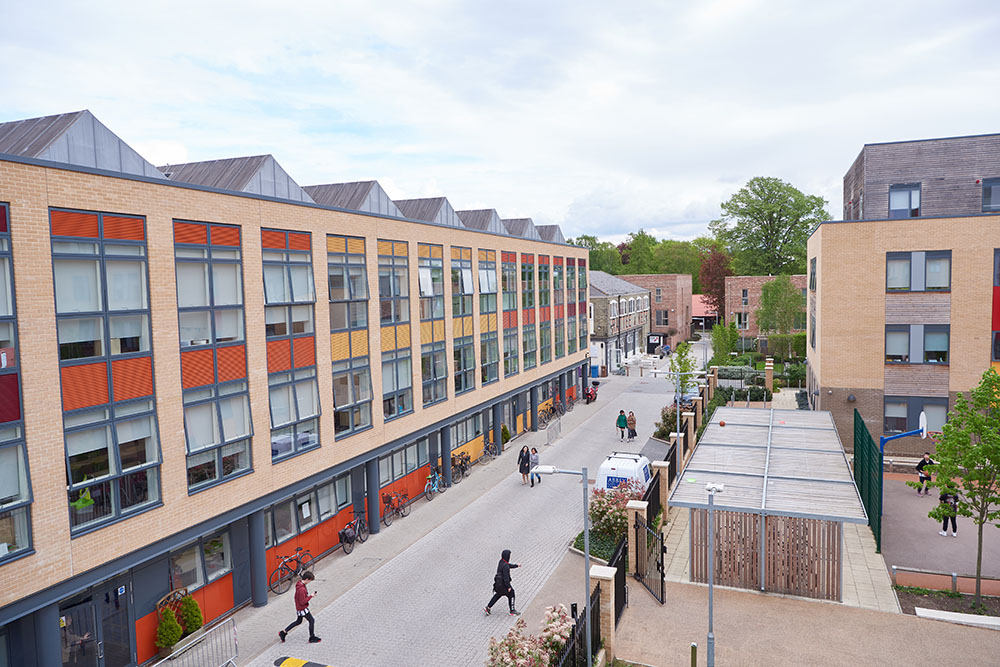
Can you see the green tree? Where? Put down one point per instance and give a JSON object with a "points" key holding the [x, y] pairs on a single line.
{"points": [[968, 462], [638, 253], [682, 361], [604, 256], [724, 340], [780, 302], [672, 256], [766, 224]]}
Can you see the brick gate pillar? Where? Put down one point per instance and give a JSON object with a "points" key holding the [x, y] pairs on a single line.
{"points": [[633, 508], [605, 576]]}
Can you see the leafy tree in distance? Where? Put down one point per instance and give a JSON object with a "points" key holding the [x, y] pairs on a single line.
{"points": [[604, 256], [766, 225], [724, 340], [682, 361], [968, 462], [682, 257], [712, 277], [780, 302]]}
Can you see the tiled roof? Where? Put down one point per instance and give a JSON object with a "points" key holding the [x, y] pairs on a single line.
{"points": [[609, 285]]}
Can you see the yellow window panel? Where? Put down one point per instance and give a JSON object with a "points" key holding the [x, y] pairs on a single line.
{"points": [[426, 332], [438, 330], [356, 246], [400, 249], [385, 247], [340, 345], [388, 338], [493, 321], [456, 253], [484, 323], [336, 244], [403, 336], [467, 253], [359, 343], [423, 250], [437, 251]]}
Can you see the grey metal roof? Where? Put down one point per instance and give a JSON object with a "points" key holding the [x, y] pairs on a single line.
{"points": [[776, 462], [487, 220], [606, 284], [256, 174], [431, 209], [551, 233], [523, 227], [73, 138], [357, 196]]}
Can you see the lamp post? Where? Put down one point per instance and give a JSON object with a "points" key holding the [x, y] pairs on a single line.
{"points": [[712, 489], [552, 470]]}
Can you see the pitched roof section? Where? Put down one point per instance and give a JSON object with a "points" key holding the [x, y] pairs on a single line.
{"points": [[357, 196], [608, 285], [432, 209], [257, 174], [550, 233], [522, 227], [73, 138], [486, 220]]}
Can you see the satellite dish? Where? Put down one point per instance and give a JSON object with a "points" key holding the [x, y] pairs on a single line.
{"points": [[923, 424]]}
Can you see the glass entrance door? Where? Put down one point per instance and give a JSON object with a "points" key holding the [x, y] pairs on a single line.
{"points": [[116, 635], [79, 635]]}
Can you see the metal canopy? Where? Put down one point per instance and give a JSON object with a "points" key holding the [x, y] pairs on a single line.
{"points": [[772, 462]]}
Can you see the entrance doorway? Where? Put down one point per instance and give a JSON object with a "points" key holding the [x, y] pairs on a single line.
{"points": [[96, 627]]}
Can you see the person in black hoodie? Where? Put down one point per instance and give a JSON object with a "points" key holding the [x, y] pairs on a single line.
{"points": [[501, 584]]}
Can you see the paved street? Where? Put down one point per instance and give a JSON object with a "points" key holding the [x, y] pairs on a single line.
{"points": [[424, 606]]}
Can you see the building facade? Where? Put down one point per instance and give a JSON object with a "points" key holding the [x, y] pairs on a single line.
{"points": [[190, 364], [669, 308], [905, 313], [620, 317], [743, 299]]}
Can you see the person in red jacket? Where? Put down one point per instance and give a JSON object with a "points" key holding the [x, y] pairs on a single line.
{"points": [[302, 598]]}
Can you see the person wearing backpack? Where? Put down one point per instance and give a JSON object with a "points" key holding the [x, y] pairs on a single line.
{"points": [[501, 584], [951, 500], [302, 599]]}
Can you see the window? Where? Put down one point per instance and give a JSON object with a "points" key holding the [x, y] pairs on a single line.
{"points": [[544, 296], [658, 295], [462, 288], [584, 331], [558, 294], [393, 282], [430, 274], [489, 357], [465, 365], [283, 515], [904, 200], [570, 278], [662, 318], [487, 282], [352, 396], [510, 352], [527, 281], [938, 270], [571, 339], [466, 430], [902, 413], [745, 298], [897, 271], [560, 338], [897, 343], [545, 345], [742, 321], [895, 417], [812, 274], [348, 283], [529, 345], [218, 558], [613, 309], [991, 195], [936, 344], [582, 282], [295, 409], [433, 373], [185, 569], [217, 430], [799, 322], [645, 303], [397, 384], [812, 331], [508, 281]]}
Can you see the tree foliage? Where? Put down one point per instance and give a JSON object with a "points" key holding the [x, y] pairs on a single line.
{"points": [[780, 302], [968, 461], [766, 224], [712, 274], [724, 339], [642, 253], [682, 361]]}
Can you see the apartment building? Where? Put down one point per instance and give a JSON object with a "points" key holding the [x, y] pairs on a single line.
{"points": [[904, 297], [743, 299], [670, 308], [205, 365], [620, 317]]}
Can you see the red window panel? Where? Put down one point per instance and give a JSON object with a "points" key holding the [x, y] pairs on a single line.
{"points": [[187, 232], [222, 235], [197, 368], [304, 351], [3, 219], [529, 316], [84, 385], [298, 241], [527, 259], [10, 398], [996, 309], [126, 229], [71, 223], [545, 313], [570, 261], [272, 239], [559, 312], [508, 256], [279, 356], [132, 378], [571, 309], [543, 259], [232, 363], [558, 261]]}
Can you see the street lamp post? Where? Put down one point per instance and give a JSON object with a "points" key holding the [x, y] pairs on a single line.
{"points": [[552, 470], [712, 490]]}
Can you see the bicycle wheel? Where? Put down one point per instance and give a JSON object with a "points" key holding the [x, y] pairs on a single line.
{"points": [[456, 474], [404, 506], [280, 580], [387, 515], [348, 546], [485, 458], [362, 530], [305, 561], [429, 491]]}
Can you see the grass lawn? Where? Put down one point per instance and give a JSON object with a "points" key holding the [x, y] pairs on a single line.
{"points": [[778, 368]]}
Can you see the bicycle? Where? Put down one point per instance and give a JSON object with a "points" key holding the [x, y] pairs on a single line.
{"points": [[435, 484], [545, 415], [281, 579], [490, 451], [559, 407], [570, 403], [394, 503], [461, 466], [355, 531]]}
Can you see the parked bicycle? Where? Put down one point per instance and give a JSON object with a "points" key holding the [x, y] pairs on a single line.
{"points": [[355, 531], [435, 484], [290, 567], [490, 450], [570, 403], [394, 503], [461, 466]]}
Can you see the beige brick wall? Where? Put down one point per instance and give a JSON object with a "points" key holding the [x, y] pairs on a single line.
{"points": [[754, 285], [31, 190]]}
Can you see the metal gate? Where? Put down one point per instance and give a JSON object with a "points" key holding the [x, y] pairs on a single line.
{"points": [[216, 648], [649, 559], [619, 561], [868, 462]]}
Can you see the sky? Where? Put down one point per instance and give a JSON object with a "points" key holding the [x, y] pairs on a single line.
{"points": [[601, 117]]}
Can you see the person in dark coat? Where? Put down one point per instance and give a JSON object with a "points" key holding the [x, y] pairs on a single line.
{"points": [[501, 584], [924, 476], [951, 500], [524, 464]]}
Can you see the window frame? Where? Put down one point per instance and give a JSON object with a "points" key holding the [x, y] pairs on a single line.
{"points": [[529, 346], [511, 352], [937, 329], [897, 328], [398, 393], [464, 351], [398, 297], [489, 354], [527, 280], [910, 211], [436, 382], [993, 186]]}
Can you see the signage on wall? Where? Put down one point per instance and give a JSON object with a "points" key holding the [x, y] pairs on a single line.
{"points": [[121, 590]]}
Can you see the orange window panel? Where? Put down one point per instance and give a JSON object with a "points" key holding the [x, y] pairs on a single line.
{"points": [[385, 247], [359, 343], [298, 241], [120, 227], [279, 356], [304, 351], [197, 368], [71, 223], [336, 244], [272, 239], [187, 232], [132, 378], [232, 363], [356, 246], [340, 345], [84, 385], [224, 235]]}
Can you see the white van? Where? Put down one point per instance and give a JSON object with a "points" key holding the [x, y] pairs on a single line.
{"points": [[621, 466]]}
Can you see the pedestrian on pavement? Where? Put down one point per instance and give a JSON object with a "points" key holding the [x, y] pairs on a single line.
{"points": [[951, 500], [621, 423], [534, 464], [501, 584], [524, 464], [302, 598], [924, 475], [631, 426]]}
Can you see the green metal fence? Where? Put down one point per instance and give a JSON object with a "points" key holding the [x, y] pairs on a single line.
{"points": [[868, 476]]}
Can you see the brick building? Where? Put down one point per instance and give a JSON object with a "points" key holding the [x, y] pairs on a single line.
{"points": [[904, 313], [620, 320], [190, 364], [669, 306], [743, 299]]}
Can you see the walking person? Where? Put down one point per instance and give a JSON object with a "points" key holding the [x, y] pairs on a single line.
{"points": [[534, 463], [951, 500], [924, 475], [630, 422], [302, 598], [524, 464], [621, 424], [501, 584]]}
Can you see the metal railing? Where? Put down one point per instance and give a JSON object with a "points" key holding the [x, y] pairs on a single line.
{"points": [[652, 497], [574, 653], [619, 561], [554, 430], [868, 476], [216, 648]]}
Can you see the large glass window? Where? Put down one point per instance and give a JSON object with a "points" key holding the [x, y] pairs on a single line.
{"points": [[508, 281], [462, 289], [218, 429], [904, 200], [991, 195], [545, 342], [510, 352], [466, 430], [558, 291], [294, 403], [487, 282], [348, 283], [393, 282], [583, 331], [431, 280], [15, 494], [936, 344], [397, 383], [938, 270], [433, 373], [489, 353], [560, 338], [582, 282], [571, 339], [352, 395], [527, 281], [529, 345], [465, 365], [544, 296], [897, 343], [895, 416]]}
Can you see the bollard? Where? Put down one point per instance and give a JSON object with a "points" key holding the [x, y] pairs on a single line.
{"points": [[954, 582], [573, 610], [893, 575], [694, 655]]}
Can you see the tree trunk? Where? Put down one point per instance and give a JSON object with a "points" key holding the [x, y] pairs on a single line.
{"points": [[979, 566]]}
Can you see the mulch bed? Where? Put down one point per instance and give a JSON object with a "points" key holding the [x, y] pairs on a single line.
{"points": [[937, 600]]}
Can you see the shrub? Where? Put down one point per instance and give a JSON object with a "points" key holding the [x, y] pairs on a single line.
{"points": [[556, 628], [667, 423], [517, 649], [504, 433], [191, 616], [734, 372], [169, 631], [796, 373], [799, 345], [607, 507]]}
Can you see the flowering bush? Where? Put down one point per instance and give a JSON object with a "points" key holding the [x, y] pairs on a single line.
{"points": [[607, 507], [518, 649], [556, 630]]}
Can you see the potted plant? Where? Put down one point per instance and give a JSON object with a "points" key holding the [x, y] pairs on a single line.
{"points": [[168, 632], [191, 615]]}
